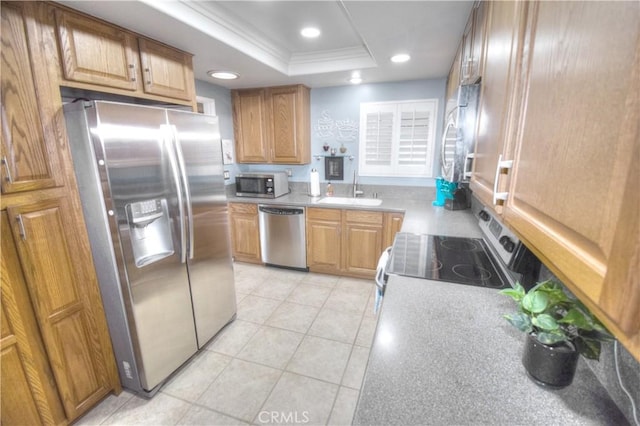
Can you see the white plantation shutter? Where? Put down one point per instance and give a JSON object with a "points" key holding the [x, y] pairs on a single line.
{"points": [[397, 138], [378, 138]]}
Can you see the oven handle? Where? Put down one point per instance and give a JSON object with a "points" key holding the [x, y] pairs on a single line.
{"points": [[381, 270]]}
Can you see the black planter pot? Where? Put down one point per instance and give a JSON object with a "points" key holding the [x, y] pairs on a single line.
{"points": [[550, 366]]}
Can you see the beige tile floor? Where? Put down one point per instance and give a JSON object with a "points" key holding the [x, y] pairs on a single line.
{"points": [[295, 354]]}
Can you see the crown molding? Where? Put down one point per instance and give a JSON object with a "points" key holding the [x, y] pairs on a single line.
{"points": [[346, 59], [217, 22]]}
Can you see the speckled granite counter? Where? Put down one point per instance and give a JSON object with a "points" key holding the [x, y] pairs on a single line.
{"points": [[443, 355], [420, 216]]}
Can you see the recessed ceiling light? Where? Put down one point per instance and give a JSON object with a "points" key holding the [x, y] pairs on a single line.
{"points": [[355, 78], [310, 32], [402, 57], [223, 75]]}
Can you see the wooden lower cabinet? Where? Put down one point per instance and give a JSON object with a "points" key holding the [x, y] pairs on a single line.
{"points": [[28, 389], [65, 300], [324, 242], [392, 225], [348, 242], [361, 242], [245, 232]]}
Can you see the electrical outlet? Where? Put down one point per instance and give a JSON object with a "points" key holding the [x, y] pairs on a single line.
{"points": [[226, 175], [289, 172]]}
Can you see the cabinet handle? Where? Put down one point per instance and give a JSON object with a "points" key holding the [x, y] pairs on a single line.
{"points": [[468, 171], [23, 233], [7, 170], [132, 67], [502, 164], [150, 78]]}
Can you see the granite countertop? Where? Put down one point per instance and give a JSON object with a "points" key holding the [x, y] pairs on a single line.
{"points": [[443, 354], [420, 216]]}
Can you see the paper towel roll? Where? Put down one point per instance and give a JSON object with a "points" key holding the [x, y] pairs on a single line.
{"points": [[314, 183]]}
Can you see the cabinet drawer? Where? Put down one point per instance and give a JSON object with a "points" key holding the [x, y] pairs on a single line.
{"points": [[248, 208], [323, 214], [363, 216]]}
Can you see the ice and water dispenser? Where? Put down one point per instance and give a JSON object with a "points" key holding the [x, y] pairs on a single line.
{"points": [[150, 231]]}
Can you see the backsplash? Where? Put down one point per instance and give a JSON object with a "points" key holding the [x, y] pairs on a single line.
{"points": [[370, 191]]}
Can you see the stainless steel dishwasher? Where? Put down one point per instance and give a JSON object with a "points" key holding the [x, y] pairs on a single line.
{"points": [[282, 236]]}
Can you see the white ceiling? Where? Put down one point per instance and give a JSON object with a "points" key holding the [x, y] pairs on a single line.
{"points": [[260, 39]]}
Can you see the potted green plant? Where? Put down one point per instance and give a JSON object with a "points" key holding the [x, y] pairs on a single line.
{"points": [[559, 328]]}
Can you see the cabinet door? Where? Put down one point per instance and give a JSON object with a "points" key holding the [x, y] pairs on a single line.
{"points": [[250, 125], [392, 225], [96, 53], [505, 26], [324, 243], [245, 232], [362, 242], [29, 159], [28, 390], [453, 81], [65, 301], [574, 191], [289, 112], [166, 71]]}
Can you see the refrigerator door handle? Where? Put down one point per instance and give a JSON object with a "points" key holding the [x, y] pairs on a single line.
{"points": [[187, 190], [171, 153]]}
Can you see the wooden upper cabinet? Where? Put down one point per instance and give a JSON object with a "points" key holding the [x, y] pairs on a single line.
{"points": [[453, 81], [573, 196], [250, 125], [472, 44], [65, 301], [290, 129], [28, 392], [271, 125], [166, 71], [97, 55], [504, 30], [95, 52], [29, 160]]}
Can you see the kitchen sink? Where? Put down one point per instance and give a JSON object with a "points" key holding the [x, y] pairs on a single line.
{"points": [[344, 201]]}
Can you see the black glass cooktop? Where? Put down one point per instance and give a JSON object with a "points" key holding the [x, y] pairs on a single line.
{"points": [[452, 259]]}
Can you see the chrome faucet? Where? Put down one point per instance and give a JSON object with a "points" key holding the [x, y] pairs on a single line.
{"points": [[356, 191]]}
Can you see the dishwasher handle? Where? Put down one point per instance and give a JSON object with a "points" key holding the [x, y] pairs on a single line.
{"points": [[282, 211]]}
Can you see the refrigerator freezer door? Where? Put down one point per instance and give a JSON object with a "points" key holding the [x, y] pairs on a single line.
{"points": [[156, 293], [209, 260]]}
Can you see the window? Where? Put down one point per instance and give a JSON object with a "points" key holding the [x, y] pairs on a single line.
{"points": [[397, 138]]}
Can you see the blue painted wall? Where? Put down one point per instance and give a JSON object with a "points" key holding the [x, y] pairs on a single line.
{"points": [[341, 103]]}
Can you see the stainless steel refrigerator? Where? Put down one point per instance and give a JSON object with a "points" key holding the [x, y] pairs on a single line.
{"points": [[458, 136], [152, 190]]}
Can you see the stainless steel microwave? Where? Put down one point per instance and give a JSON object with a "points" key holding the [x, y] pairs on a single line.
{"points": [[264, 185]]}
